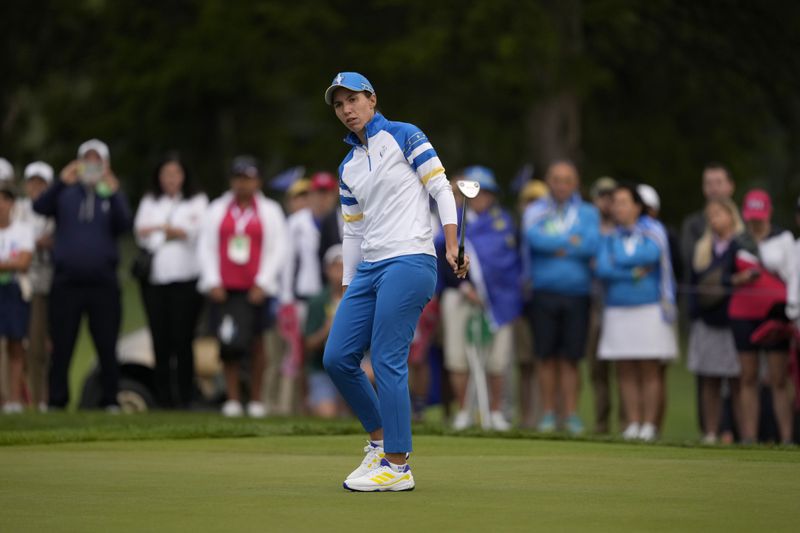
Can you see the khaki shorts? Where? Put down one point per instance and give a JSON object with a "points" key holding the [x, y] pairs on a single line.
{"points": [[455, 312]]}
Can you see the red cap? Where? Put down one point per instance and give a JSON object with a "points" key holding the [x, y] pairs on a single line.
{"points": [[323, 181], [757, 205]]}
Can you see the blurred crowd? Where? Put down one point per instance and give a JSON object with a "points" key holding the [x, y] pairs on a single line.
{"points": [[559, 280]]}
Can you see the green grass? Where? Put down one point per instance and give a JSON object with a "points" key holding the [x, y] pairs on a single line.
{"points": [[293, 483]]}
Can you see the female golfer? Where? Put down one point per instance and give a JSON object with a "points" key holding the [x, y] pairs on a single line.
{"points": [[389, 272]]}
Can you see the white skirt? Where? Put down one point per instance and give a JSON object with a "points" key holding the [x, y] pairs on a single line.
{"points": [[636, 332]]}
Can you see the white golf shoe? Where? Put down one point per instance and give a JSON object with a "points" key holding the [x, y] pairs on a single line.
{"points": [[371, 461], [382, 479]]}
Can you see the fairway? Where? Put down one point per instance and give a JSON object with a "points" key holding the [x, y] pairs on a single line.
{"points": [[293, 483]]}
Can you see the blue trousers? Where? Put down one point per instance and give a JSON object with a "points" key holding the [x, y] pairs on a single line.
{"points": [[380, 310]]}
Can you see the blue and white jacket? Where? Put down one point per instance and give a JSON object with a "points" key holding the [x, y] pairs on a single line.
{"points": [[385, 187], [561, 241], [625, 255]]}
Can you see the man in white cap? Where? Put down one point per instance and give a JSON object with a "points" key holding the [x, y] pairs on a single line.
{"points": [[38, 177], [90, 214]]}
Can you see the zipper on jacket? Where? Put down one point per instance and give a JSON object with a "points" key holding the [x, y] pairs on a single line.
{"points": [[369, 159]]}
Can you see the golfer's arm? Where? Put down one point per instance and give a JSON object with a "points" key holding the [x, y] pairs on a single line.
{"points": [[450, 236]]}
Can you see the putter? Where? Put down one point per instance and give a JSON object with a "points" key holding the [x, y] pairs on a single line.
{"points": [[469, 189]]}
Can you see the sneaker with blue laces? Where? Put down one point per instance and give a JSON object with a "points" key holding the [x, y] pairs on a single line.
{"points": [[385, 478], [547, 424]]}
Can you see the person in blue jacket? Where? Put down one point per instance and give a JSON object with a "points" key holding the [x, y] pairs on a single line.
{"points": [[561, 235], [493, 289], [91, 214], [637, 333]]}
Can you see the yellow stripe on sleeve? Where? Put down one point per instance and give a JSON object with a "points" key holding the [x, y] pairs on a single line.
{"points": [[432, 174], [352, 218]]}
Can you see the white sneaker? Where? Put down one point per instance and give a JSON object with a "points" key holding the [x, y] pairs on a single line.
{"points": [[709, 439], [631, 432], [12, 408], [42, 407], [462, 420], [232, 409], [371, 461], [647, 433], [256, 410], [499, 422], [382, 479]]}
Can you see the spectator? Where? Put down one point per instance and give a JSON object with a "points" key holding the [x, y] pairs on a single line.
{"points": [[243, 244], [493, 289], [712, 351], [562, 234], [38, 176], [303, 276], [602, 193], [765, 280], [523, 338], [323, 398], [166, 225], [297, 196], [637, 330], [717, 183], [16, 251], [90, 214], [652, 208]]}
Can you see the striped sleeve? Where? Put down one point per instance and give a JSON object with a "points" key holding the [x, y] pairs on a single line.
{"points": [[351, 211], [420, 154]]}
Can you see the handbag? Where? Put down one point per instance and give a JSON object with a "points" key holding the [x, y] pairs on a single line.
{"points": [[142, 265]]}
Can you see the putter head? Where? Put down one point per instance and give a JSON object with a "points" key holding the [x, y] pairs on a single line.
{"points": [[469, 188]]}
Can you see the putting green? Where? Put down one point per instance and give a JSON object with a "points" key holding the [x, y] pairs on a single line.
{"points": [[293, 483]]}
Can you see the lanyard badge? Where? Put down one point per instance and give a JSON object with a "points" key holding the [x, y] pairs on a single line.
{"points": [[239, 245]]}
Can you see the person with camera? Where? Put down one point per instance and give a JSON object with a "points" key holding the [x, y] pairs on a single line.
{"points": [[91, 213]]}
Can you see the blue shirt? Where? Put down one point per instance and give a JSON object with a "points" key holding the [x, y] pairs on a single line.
{"points": [[492, 235], [561, 244], [621, 254]]}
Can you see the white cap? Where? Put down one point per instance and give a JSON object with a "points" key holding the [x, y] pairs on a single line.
{"points": [[39, 169], [94, 145], [6, 170], [649, 196]]}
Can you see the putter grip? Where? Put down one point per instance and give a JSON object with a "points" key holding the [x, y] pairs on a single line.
{"points": [[460, 260]]}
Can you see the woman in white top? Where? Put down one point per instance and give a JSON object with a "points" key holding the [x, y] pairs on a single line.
{"points": [[166, 225], [385, 185]]}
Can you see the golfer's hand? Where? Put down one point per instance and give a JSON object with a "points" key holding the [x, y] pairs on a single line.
{"points": [[218, 295], [452, 259]]}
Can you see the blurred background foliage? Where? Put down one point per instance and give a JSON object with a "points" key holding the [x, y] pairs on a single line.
{"points": [[647, 91]]}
